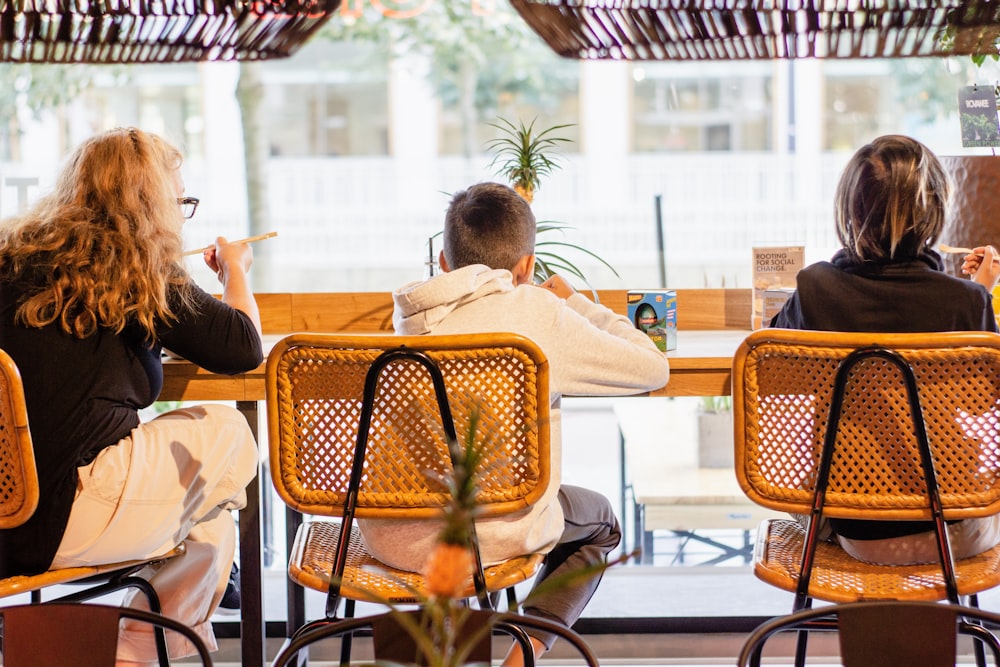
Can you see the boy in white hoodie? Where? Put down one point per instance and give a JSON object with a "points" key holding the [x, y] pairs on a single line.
{"points": [[486, 285]]}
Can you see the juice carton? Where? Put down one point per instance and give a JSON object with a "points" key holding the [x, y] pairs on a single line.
{"points": [[655, 313]]}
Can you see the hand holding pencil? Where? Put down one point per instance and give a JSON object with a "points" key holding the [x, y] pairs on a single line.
{"points": [[251, 239], [982, 264]]}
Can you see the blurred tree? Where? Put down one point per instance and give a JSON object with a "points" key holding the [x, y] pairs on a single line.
{"points": [[481, 55], [35, 89], [928, 87]]}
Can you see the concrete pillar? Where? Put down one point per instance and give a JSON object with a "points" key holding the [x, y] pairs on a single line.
{"points": [[413, 128], [605, 127], [222, 141]]}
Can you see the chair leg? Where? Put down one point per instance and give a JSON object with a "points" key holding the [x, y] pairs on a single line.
{"points": [[512, 604], [301, 657], [346, 640], [982, 638], [801, 645], [755, 656], [159, 634], [522, 639]]}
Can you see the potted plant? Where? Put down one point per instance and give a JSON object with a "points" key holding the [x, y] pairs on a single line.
{"points": [[444, 629], [523, 155]]}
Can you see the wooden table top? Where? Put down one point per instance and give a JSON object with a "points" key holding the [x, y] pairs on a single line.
{"points": [[700, 366]]}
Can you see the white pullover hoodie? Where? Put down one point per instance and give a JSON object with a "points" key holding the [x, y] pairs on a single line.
{"points": [[591, 350]]}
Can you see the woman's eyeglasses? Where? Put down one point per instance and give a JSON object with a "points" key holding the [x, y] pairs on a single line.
{"points": [[188, 206]]}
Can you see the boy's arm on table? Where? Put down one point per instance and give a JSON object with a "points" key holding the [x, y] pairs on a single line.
{"points": [[602, 353]]}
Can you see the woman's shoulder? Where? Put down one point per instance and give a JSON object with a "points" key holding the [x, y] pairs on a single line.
{"points": [[818, 272]]}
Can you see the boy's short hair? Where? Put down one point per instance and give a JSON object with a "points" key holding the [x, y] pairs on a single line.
{"points": [[490, 224]]}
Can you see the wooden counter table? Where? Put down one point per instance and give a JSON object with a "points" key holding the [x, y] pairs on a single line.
{"points": [[700, 366], [711, 325]]}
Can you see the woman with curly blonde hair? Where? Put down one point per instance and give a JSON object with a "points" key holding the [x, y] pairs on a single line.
{"points": [[92, 288]]}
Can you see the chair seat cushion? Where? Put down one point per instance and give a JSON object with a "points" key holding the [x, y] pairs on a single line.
{"points": [[369, 580], [838, 577]]}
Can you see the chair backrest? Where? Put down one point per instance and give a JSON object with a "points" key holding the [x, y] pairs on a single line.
{"points": [[18, 477], [879, 633], [393, 644], [82, 635], [314, 391], [783, 389]]}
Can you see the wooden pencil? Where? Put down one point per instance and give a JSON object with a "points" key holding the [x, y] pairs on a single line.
{"points": [[259, 237]]}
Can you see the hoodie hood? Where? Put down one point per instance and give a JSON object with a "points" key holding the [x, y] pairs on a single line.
{"points": [[421, 306]]}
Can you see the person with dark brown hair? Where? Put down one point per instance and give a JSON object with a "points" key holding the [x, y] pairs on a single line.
{"points": [[488, 285], [890, 208]]}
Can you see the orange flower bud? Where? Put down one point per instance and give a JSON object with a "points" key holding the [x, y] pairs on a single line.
{"points": [[448, 569]]}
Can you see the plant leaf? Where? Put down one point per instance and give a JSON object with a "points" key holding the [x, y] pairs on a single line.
{"points": [[578, 575], [579, 249], [551, 225], [519, 153], [550, 267], [554, 264]]}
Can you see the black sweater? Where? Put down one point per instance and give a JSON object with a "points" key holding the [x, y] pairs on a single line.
{"points": [[903, 296], [84, 395]]}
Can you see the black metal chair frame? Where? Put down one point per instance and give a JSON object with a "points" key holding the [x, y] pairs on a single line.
{"points": [[802, 599], [486, 601], [112, 582], [514, 625], [828, 618], [34, 617]]}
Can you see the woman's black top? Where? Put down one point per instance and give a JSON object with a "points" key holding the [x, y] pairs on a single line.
{"points": [[903, 296], [84, 395]]}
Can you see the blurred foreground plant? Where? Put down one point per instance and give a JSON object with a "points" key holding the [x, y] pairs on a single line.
{"points": [[443, 628]]}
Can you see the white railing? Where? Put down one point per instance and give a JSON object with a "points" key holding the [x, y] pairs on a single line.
{"points": [[357, 224], [348, 224]]}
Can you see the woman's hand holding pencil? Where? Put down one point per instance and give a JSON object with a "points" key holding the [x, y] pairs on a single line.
{"points": [[982, 264], [259, 237]]}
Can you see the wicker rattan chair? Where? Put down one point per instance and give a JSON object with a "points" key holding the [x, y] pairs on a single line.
{"points": [[355, 424], [868, 426], [392, 645], [883, 632], [79, 635], [19, 498]]}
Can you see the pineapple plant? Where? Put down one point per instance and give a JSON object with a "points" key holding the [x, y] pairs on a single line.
{"points": [[523, 156]]}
